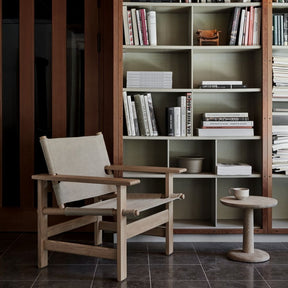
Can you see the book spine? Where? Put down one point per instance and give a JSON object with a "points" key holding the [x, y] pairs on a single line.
{"points": [[227, 124], [285, 32], [148, 115], [135, 27], [189, 123], [139, 27], [234, 26], [125, 25], [247, 28], [152, 31], [137, 130], [241, 28], [152, 114], [131, 115], [144, 26], [127, 115], [140, 108], [177, 121], [170, 121], [224, 115], [181, 102], [251, 24], [130, 29]]}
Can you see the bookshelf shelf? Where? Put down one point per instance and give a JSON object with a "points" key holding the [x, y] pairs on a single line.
{"points": [[177, 50]]}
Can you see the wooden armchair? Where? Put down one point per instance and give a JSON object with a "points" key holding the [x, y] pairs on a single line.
{"points": [[79, 169]]}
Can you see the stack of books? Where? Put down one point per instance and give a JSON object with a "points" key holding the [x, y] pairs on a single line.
{"points": [[245, 26], [139, 26], [280, 76], [280, 149], [226, 124], [179, 118], [139, 115], [233, 169], [149, 79], [222, 84]]}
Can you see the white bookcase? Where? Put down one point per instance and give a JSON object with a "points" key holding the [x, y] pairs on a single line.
{"points": [[178, 51]]}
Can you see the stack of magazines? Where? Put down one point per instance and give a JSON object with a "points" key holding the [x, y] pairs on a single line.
{"points": [[149, 79], [234, 169]]}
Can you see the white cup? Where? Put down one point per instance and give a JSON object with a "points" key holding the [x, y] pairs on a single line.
{"points": [[239, 193]]}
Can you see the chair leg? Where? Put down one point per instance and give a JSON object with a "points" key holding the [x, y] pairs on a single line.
{"points": [[97, 232], [42, 224], [169, 230], [121, 235]]}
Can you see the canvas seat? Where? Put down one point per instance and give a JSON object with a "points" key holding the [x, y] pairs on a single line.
{"points": [[79, 169]]}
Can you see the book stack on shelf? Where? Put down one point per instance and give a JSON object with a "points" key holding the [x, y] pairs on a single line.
{"points": [[280, 76], [280, 29], [233, 169], [280, 149], [226, 124], [245, 26], [221, 84], [139, 115], [149, 79], [139, 26], [179, 118]]}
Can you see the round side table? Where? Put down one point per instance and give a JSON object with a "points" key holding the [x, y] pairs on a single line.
{"points": [[248, 253]]}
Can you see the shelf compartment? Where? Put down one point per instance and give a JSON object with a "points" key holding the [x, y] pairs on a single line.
{"points": [[178, 63], [201, 148], [240, 151], [145, 153], [227, 66], [199, 204]]}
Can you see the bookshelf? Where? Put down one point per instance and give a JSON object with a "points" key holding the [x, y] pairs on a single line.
{"points": [[279, 216], [177, 50]]}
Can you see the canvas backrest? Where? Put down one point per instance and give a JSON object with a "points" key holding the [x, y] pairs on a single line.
{"points": [[83, 156]]}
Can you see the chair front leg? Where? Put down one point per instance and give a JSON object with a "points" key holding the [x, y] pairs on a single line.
{"points": [[169, 207], [42, 187], [121, 234]]}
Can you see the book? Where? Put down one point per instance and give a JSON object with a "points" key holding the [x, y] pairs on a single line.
{"points": [[224, 82], [233, 169], [135, 27], [241, 27], [131, 117], [135, 118], [144, 28], [148, 115], [173, 121], [251, 26], [234, 26], [127, 114], [189, 118], [257, 26], [181, 102], [152, 114], [222, 86], [221, 115], [221, 124], [142, 115], [225, 132], [138, 18], [130, 29], [125, 25], [152, 31]]}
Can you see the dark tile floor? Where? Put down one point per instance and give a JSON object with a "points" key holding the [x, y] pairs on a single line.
{"points": [[192, 265]]}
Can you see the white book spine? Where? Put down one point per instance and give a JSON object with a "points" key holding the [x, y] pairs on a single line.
{"points": [[233, 82], [152, 114], [125, 25], [152, 30], [177, 121], [127, 114], [139, 27], [181, 102], [131, 115], [241, 28]]}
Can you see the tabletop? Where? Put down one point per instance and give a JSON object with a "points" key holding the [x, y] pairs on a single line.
{"points": [[253, 202]]}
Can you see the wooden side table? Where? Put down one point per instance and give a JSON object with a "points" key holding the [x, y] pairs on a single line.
{"points": [[248, 253]]}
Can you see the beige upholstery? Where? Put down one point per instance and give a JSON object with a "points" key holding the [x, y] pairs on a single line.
{"points": [[77, 168]]}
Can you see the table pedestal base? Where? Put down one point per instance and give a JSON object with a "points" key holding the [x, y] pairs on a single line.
{"points": [[257, 256]]}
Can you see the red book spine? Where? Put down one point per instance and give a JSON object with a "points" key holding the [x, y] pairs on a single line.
{"points": [[144, 26]]}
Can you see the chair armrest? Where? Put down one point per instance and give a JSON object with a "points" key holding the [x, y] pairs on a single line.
{"points": [[146, 169], [87, 179]]}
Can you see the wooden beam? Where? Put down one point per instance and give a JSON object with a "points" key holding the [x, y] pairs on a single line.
{"points": [[1, 116], [91, 74], [26, 101], [59, 74]]}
